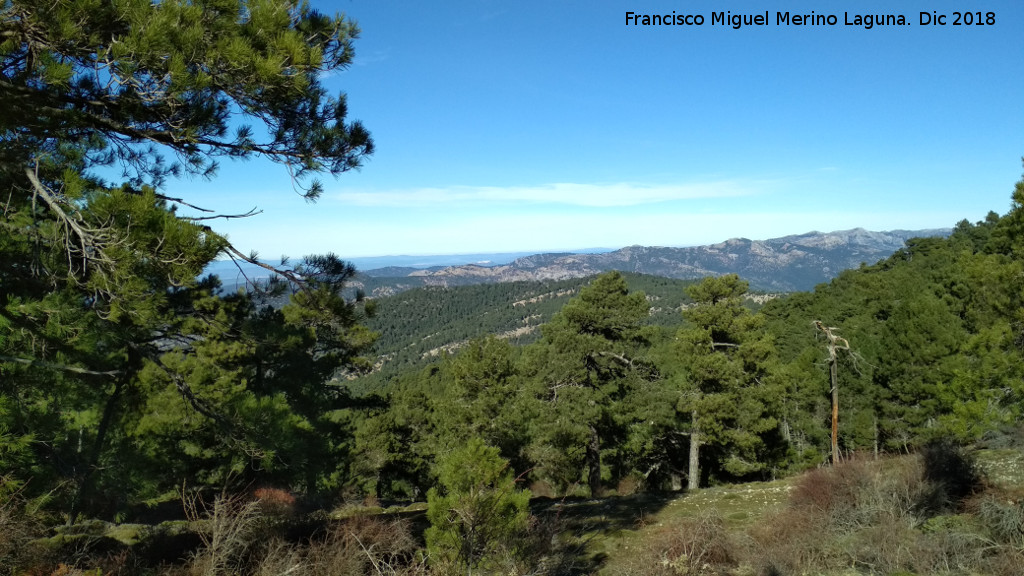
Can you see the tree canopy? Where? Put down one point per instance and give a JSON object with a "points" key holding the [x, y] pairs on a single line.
{"points": [[96, 82], [108, 337]]}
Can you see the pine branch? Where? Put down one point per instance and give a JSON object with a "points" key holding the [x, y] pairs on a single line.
{"points": [[55, 366], [253, 212]]}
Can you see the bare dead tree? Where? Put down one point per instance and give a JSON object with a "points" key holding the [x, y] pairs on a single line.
{"points": [[835, 344]]}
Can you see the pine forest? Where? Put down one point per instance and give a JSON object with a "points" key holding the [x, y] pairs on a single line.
{"points": [[153, 422]]}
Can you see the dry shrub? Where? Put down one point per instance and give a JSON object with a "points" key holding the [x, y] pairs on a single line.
{"points": [[792, 541], [371, 501], [630, 485], [120, 563], [885, 547], [225, 528], [987, 538], [359, 545], [365, 545], [280, 557], [21, 521], [875, 516], [274, 502], [856, 512], [547, 549], [16, 527], [951, 549], [65, 570], [895, 492], [1001, 513], [700, 545], [830, 489], [1004, 562], [857, 493]]}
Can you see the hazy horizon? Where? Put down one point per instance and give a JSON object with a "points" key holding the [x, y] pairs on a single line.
{"points": [[422, 261]]}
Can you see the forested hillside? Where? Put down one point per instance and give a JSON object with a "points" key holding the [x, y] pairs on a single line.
{"points": [[931, 340], [420, 325], [935, 338]]}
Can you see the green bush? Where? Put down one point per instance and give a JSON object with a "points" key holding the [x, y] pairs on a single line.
{"points": [[478, 520]]}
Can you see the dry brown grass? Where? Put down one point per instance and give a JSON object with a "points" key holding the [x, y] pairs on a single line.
{"points": [[225, 527], [21, 521], [701, 545], [897, 515]]}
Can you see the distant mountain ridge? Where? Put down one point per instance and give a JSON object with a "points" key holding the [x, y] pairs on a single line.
{"points": [[786, 264]]}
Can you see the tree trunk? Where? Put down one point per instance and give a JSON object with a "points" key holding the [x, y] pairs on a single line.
{"points": [[835, 343], [594, 463], [875, 422], [693, 482], [85, 486], [833, 372]]}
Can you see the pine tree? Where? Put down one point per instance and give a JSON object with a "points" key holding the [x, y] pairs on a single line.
{"points": [[588, 363], [730, 360], [102, 318]]}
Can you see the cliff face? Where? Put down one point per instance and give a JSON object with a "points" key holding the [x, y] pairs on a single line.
{"points": [[789, 263]]}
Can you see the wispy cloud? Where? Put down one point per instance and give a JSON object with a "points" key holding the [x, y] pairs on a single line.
{"points": [[544, 232], [588, 195], [371, 58]]}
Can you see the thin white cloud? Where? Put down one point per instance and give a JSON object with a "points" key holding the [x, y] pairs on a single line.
{"points": [[589, 195], [463, 234], [371, 58]]}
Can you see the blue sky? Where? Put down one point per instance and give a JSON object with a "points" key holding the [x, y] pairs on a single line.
{"points": [[548, 126]]}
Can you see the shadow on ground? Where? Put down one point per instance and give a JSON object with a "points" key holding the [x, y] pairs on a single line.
{"points": [[579, 527]]}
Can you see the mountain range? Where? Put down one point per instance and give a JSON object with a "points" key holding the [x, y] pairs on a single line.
{"points": [[786, 264]]}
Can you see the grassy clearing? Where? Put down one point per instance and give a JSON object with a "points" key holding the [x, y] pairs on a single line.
{"points": [[878, 517], [739, 506], [1003, 467]]}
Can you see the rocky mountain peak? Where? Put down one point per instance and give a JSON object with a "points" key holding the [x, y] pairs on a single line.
{"points": [[789, 263]]}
